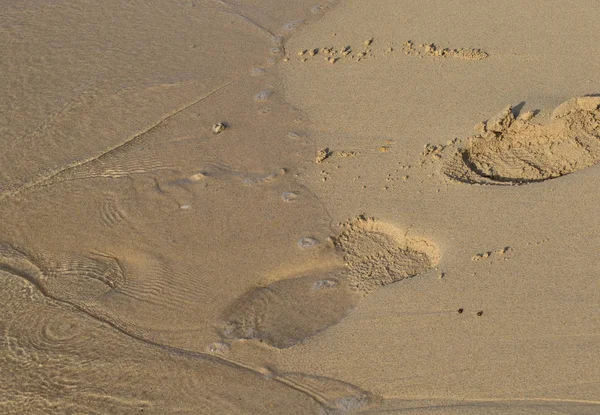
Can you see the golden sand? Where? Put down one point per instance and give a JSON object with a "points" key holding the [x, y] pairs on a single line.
{"points": [[221, 207]]}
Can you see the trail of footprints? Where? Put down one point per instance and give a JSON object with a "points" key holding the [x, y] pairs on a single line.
{"points": [[286, 312], [507, 151]]}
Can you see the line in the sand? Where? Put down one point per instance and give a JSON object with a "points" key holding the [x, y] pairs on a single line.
{"points": [[48, 179]]}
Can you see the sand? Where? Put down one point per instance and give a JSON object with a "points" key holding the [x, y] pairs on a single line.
{"points": [[250, 207]]}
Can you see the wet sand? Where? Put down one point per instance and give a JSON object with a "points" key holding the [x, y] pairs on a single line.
{"points": [[245, 207]]}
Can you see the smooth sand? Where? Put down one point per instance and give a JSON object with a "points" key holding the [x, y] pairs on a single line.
{"points": [[343, 242]]}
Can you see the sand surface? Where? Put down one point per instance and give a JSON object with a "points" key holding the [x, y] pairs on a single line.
{"points": [[259, 206]]}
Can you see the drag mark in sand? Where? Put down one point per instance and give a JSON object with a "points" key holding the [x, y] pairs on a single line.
{"points": [[511, 151], [371, 49], [431, 49]]}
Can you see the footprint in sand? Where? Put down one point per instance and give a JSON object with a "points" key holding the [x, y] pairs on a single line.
{"points": [[513, 151], [286, 312], [377, 254]]}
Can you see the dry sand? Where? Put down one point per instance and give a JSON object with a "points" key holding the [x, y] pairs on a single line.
{"points": [[255, 207]]}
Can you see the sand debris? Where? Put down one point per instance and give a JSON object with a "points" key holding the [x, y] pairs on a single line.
{"points": [[498, 253], [408, 47], [527, 115], [501, 121], [218, 127], [322, 155], [430, 49], [346, 153]]}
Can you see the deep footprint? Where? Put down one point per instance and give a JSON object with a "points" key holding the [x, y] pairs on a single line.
{"points": [[285, 313], [513, 151]]}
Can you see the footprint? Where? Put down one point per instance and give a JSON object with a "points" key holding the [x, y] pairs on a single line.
{"points": [[378, 254], [513, 151], [286, 312]]}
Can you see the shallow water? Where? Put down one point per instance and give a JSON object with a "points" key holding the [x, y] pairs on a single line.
{"points": [[129, 226]]}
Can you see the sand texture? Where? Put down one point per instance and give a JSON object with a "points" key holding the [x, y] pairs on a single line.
{"points": [[519, 151], [288, 207]]}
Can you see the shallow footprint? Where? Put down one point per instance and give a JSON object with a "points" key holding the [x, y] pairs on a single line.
{"points": [[513, 151], [287, 312]]}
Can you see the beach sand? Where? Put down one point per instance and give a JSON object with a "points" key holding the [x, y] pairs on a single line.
{"points": [[287, 207]]}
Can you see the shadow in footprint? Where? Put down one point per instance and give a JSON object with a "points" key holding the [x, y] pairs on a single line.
{"points": [[513, 151], [287, 312], [517, 109]]}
